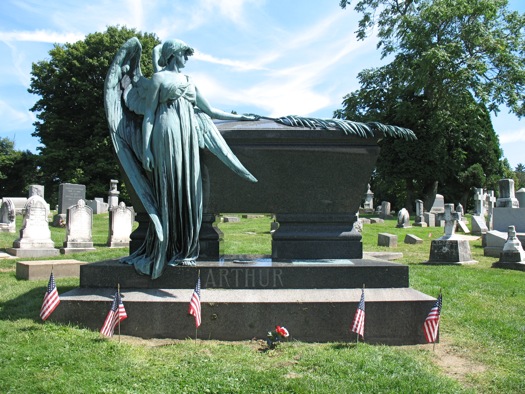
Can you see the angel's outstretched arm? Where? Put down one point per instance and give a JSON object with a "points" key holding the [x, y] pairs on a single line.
{"points": [[215, 113]]}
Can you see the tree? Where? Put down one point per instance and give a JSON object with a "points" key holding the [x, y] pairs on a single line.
{"points": [[453, 62], [519, 173], [71, 123], [18, 169]]}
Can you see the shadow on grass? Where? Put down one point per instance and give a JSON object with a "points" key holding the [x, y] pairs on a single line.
{"points": [[27, 305], [344, 345]]}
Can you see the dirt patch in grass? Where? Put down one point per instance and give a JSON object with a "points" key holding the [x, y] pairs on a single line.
{"points": [[454, 363]]}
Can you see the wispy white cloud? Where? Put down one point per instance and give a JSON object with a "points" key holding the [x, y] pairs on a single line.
{"points": [[14, 119], [47, 36], [235, 64], [511, 137]]}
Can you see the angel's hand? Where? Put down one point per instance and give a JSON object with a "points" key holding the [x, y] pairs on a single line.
{"points": [[148, 161], [250, 117]]}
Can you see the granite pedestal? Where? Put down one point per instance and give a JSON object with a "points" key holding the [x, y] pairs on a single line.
{"points": [[241, 300]]}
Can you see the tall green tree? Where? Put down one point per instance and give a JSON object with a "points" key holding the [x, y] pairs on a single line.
{"points": [[18, 170], [454, 61], [519, 172], [71, 125]]}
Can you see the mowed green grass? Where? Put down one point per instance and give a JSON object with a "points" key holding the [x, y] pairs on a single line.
{"points": [[482, 326]]}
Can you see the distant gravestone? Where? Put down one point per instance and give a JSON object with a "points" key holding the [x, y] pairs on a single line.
{"points": [[479, 227], [79, 229], [520, 196], [7, 216], [507, 198], [403, 218], [121, 220], [369, 201], [450, 249], [35, 190], [491, 202], [35, 236], [479, 202], [412, 239], [430, 219], [113, 194], [385, 210], [512, 256], [231, 219], [68, 195], [98, 205], [420, 214], [19, 203], [388, 240], [439, 204], [462, 226]]}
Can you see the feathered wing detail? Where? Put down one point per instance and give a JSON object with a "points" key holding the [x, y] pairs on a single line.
{"points": [[124, 100], [349, 127], [212, 140]]}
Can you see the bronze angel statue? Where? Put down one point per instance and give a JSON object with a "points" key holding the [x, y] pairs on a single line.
{"points": [[157, 127]]}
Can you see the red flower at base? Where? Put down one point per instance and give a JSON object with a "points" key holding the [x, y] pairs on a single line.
{"points": [[282, 331]]}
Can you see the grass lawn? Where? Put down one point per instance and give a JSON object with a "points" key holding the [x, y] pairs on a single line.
{"points": [[482, 345]]}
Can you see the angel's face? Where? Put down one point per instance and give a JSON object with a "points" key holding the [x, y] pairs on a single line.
{"points": [[180, 59]]}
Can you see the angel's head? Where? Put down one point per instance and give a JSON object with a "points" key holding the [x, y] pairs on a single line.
{"points": [[175, 50]]}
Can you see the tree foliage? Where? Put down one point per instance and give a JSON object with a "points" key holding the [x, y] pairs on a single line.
{"points": [[18, 170], [454, 61], [519, 172], [71, 125]]}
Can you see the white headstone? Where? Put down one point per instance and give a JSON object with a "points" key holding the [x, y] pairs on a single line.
{"points": [[35, 236], [79, 228], [512, 250], [120, 226], [369, 200], [450, 217], [439, 204], [491, 202], [403, 218], [385, 209], [7, 216], [479, 202], [113, 194], [520, 196], [35, 190]]}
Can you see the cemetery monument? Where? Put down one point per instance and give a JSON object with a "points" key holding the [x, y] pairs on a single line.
{"points": [[450, 249], [317, 257]]}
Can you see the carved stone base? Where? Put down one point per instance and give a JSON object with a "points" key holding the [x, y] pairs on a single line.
{"points": [[450, 251], [316, 236]]}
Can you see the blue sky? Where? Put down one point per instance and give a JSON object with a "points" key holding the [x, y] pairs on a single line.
{"points": [[271, 57]]}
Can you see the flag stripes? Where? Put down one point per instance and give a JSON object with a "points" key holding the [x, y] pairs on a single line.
{"points": [[51, 299], [195, 303], [358, 324], [431, 325], [116, 314]]}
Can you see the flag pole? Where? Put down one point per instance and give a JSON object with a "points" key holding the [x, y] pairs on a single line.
{"points": [[118, 311], [434, 344], [197, 328]]}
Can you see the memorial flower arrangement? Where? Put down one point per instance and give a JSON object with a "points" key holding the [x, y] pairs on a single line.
{"points": [[275, 337]]}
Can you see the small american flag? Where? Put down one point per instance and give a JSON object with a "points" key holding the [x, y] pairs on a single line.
{"points": [[51, 299], [358, 325], [431, 325], [116, 314], [195, 303]]}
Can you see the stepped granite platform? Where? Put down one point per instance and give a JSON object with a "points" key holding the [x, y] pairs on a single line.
{"points": [[316, 301]]}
